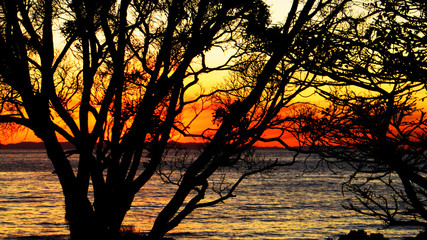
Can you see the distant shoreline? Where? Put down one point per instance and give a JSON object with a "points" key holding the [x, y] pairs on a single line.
{"points": [[66, 145], [23, 145]]}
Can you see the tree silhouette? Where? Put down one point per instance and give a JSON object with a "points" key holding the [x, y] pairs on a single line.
{"points": [[117, 84], [375, 63]]}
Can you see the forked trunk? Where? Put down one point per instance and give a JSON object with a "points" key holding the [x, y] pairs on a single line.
{"points": [[104, 222], [89, 227], [80, 218]]}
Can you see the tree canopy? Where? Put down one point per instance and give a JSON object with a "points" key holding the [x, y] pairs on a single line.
{"points": [[117, 84], [374, 68]]}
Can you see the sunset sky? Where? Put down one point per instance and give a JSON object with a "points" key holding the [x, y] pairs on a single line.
{"points": [[278, 9], [120, 83]]}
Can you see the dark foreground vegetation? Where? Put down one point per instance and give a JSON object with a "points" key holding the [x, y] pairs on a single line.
{"points": [[360, 235], [363, 235]]}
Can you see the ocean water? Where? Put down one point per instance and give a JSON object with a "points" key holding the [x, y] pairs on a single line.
{"points": [[287, 203]]}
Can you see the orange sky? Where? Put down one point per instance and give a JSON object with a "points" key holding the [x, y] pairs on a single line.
{"points": [[279, 9]]}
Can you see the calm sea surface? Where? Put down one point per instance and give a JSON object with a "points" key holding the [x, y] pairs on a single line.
{"points": [[285, 204]]}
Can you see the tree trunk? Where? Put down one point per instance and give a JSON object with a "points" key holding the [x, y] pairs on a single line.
{"points": [[80, 218], [85, 223], [162, 223]]}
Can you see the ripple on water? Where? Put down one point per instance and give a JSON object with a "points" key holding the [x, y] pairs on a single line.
{"points": [[283, 205]]}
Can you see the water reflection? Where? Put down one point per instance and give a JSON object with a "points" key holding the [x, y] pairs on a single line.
{"points": [[281, 205]]}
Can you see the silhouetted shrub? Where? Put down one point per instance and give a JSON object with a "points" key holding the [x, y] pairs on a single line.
{"points": [[362, 235], [130, 233]]}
